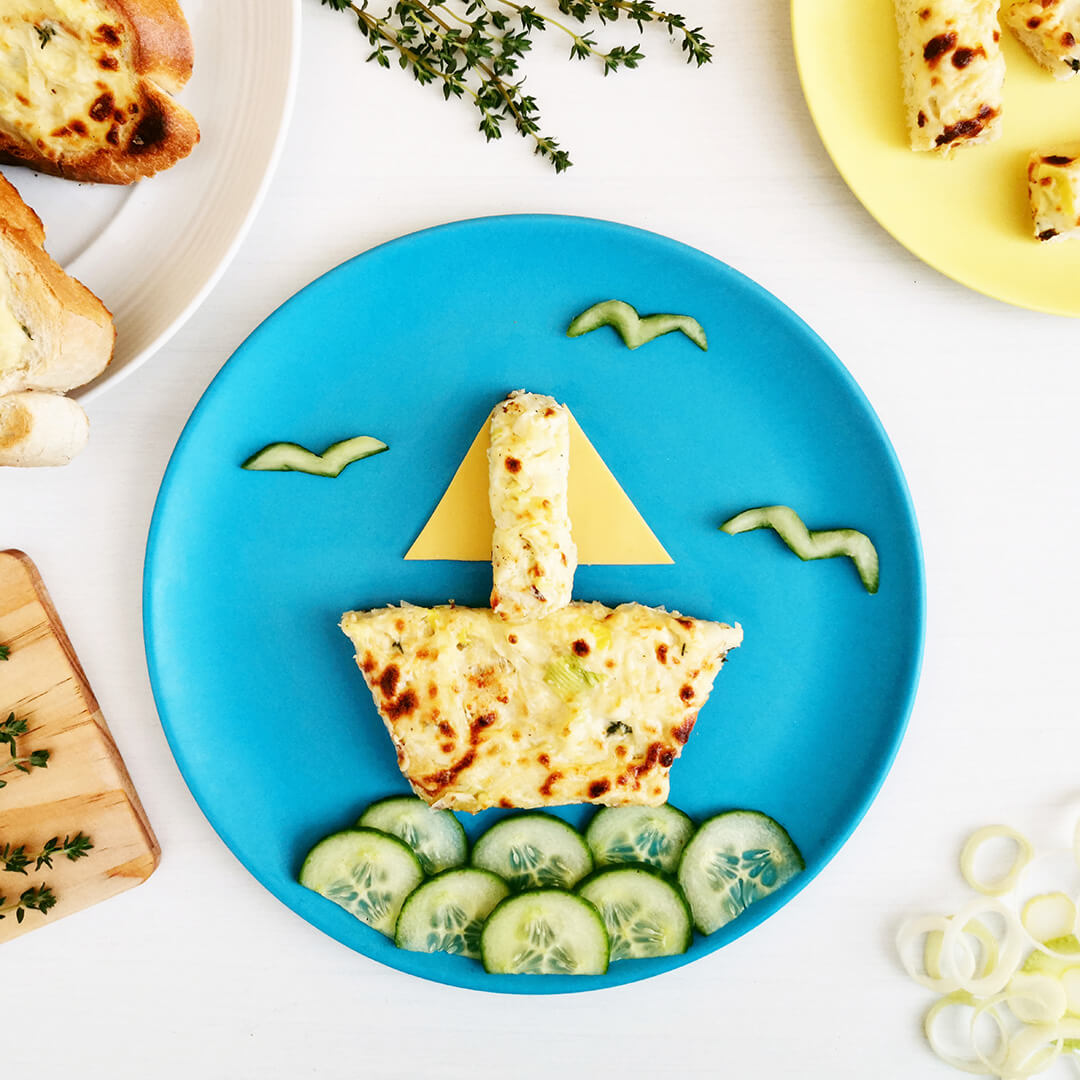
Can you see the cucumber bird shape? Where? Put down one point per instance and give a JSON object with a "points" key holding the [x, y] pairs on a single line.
{"points": [[807, 544], [634, 329], [291, 457]]}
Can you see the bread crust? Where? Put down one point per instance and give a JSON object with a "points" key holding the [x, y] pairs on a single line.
{"points": [[162, 56], [78, 325]]}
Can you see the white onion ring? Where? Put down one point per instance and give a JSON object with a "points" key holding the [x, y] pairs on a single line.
{"points": [[1012, 946], [1024, 853]]}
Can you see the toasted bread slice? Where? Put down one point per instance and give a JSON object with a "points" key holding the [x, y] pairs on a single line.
{"points": [[38, 428], [85, 87], [55, 334]]}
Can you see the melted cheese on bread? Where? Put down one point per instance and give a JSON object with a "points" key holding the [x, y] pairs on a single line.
{"points": [[590, 704], [1054, 190], [1050, 30], [64, 85], [953, 71], [533, 557]]}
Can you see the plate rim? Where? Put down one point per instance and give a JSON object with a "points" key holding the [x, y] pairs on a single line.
{"points": [[934, 264], [763, 909], [111, 378]]}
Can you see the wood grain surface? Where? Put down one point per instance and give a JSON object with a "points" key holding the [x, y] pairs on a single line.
{"points": [[85, 787]]}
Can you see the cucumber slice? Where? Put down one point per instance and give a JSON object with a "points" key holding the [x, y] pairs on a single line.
{"points": [[644, 914], [447, 913], [531, 851], [291, 457], [811, 544], [366, 872], [435, 836], [544, 932], [639, 834], [731, 861], [636, 330]]}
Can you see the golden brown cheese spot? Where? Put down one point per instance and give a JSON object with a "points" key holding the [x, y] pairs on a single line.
{"points": [[388, 681], [79, 127], [686, 692], [478, 725], [1034, 22], [109, 63], [581, 647], [443, 777], [620, 750], [686, 624], [513, 465], [1046, 181], [369, 663], [1068, 40], [925, 14], [667, 757], [512, 639], [963, 57], [937, 47], [445, 729], [661, 653], [1048, 234], [922, 118], [402, 706], [997, 36], [433, 691], [108, 35], [549, 411], [1057, 159], [112, 136], [598, 788], [609, 663], [447, 748], [682, 732], [506, 804], [544, 760], [549, 783], [966, 129], [102, 108]]}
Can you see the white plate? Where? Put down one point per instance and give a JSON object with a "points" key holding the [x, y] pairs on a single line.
{"points": [[154, 250]]}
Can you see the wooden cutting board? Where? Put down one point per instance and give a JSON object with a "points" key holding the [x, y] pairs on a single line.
{"points": [[85, 786]]}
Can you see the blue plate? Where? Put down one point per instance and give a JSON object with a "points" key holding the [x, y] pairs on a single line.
{"points": [[247, 573]]}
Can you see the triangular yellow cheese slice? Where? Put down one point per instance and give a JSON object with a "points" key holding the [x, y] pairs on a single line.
{"points": [[607, 527]]}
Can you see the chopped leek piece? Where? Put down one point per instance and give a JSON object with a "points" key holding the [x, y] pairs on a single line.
{"points": [[634, 329], [291, 457], [809, 545], [567, 676], [981, 836], [1049, 917]]}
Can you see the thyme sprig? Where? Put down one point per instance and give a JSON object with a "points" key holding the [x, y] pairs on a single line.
{"points": [[36, 898], [10, 730], [15, 860], [474, 49], [5, 651]]}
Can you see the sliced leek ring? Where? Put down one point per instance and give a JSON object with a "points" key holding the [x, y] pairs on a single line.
{"points": [[1011, 945], [1005, 883], [977, 1066]]}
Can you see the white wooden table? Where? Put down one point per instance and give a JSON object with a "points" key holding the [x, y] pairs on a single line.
{"points": [[201, 972]]}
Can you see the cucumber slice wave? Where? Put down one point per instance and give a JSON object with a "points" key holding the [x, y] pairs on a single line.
{"points": [[447, 913], [435, 837]]}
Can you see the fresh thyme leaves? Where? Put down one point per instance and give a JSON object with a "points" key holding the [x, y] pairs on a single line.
{"points": [[45, 34], [15, 860], [36, 898], [10, 729], [474, 48], [5, 651]]}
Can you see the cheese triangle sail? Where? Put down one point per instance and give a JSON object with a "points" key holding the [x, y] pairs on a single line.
{"points": [[607, 527]]}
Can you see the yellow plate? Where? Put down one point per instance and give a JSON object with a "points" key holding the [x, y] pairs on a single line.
{"points": [[967, 217]]}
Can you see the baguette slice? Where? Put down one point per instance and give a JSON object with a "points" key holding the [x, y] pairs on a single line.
{"points": [[953, 72], [38, 428], [1054, 190], [85, 87], [55, 334], [1050, 31]]}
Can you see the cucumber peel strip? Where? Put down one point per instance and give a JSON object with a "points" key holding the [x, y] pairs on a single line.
{"points": [[636, 330], [1024, 854], [292, 457], [811, 544]]}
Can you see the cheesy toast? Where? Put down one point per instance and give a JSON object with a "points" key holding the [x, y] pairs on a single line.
{"points": [[589, 704], [1050, 31], [953, 72], [1054, 191], [533, 557], [85, 87], [55, 335]]}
